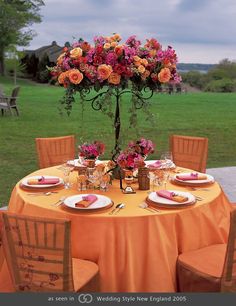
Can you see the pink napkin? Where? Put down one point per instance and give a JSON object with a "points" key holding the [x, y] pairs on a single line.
{"points": [[86, 200], [156, 165], [191, 176], [170, 195], [43, 181]]}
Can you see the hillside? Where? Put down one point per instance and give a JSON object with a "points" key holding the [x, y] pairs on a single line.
{"points": [[184, 67]]}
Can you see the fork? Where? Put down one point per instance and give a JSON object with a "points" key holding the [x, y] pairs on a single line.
{"points": [[42, 193], [59, 202]]}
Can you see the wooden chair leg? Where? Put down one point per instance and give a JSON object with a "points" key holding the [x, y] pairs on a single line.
{"points": [[17, 111]]}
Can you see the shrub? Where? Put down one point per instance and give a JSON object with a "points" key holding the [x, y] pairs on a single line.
{"points": [[223, 85]]}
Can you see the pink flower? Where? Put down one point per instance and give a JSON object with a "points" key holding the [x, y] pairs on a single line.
{"points": [[91, 150], [142, 146]]}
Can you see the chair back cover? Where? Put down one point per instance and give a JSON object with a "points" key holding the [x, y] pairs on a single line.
{"points": [[38, 253], [228, 281], [1, 247], [55, 150], [189, 152]]}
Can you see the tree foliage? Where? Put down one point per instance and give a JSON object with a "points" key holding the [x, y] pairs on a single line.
{"points": [[15, 18], [221, 78]]}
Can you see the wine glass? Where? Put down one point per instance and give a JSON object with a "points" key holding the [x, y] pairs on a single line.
{"points": [[167, 157]]}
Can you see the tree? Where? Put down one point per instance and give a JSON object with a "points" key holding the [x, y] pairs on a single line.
{"points": [[15, 18]]}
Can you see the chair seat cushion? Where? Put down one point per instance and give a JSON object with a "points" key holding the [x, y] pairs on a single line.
{"points": [[200, 270], [83, 272]]}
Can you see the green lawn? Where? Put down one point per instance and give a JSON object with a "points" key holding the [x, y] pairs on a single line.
{"points": [[200, 114]]}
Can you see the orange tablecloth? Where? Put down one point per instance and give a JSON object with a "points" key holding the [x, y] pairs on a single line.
{"points": [[136, 250]]}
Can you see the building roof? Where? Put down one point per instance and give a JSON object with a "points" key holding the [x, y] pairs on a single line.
{"points": [[52, 51]]}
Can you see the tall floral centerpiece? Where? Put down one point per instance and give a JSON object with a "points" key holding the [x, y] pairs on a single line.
{"points": [[112, 68]]}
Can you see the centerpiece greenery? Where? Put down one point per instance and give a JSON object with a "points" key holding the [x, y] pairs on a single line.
{"points": [[112, 68]]}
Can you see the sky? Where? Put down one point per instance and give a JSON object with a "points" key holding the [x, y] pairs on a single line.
{"points": [[201, 31]]}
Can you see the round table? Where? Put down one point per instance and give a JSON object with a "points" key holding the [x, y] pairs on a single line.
{"points": [[136, 249]]}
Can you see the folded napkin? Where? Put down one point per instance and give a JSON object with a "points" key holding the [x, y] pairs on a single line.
{"points": [[156, 165], [43, 181], [170, 195], [191, 176], [86, 201]]}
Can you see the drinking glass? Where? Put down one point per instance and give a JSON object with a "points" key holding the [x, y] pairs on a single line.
{"points": [[167, 164], [152, 176], [66, 168]]}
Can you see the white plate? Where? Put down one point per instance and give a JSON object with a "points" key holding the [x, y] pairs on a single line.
{"points": [[163, 201], [76, 163], [101, 202], [162, 165], [25, 180], [210, 179]]}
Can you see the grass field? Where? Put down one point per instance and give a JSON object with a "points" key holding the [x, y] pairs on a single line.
{"points": [[200, 114]]}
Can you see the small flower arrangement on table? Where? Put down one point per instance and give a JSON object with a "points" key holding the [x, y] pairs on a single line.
{"points": [[142, 146], [91, 150]]}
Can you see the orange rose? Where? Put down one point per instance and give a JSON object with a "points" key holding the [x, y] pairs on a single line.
{"points": [[164, 75], [144, 62], [60, 58], [113, 44], [107, 46], [137, 63], [117, 37], [62, 76], [76, 52], [136, 58], [75, 76], [104, 71], [145, 74], [114, 78], [141, 69], [119, 50]]}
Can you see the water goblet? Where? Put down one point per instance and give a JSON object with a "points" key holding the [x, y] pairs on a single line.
{"points": [[67, 168]]}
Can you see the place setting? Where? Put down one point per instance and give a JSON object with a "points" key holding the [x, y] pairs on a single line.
{"points": [[171, 199], [38, 182], [86, 202], [192, 179]]}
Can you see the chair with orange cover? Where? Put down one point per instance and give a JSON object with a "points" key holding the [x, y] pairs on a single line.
{"points": [[189, 152], [1, 248], [55, 150], [38, 254], [210, 269]]}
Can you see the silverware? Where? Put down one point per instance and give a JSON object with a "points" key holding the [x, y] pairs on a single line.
{"points": [[194, 188], [145, 206], [114, 209], [122, 205], [198, 198], [42, 193], [59, 202]]}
